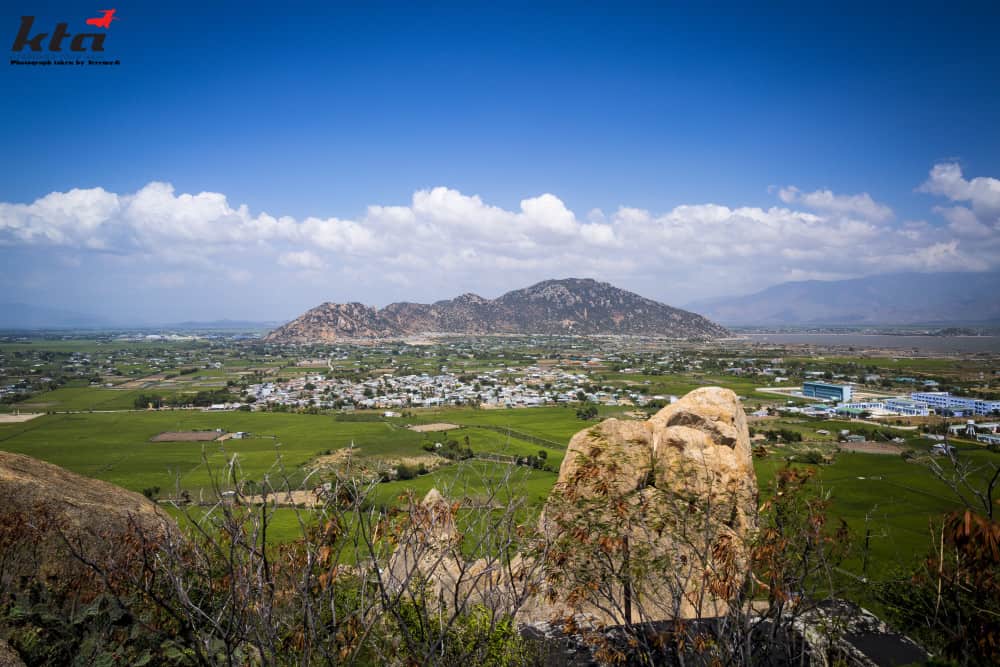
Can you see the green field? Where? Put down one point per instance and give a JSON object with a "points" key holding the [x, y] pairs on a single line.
{"points": [[116, 447], [557, 424], [886, 496], [81, 398]]}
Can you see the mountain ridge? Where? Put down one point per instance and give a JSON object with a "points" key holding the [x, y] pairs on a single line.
{"points": [[568, 306], [897, 298]]}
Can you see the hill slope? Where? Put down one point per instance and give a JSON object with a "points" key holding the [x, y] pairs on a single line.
{"points": [[569, 306], [902, 298]]}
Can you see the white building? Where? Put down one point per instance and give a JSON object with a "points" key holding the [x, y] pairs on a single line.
{"points": [[943, 400]]}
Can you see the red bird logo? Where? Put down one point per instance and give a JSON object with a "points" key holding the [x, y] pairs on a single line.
{"points": [[103, 21]]}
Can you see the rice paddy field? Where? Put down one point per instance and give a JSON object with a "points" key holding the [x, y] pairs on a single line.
{"points": [[89, 424], [890, 498]]}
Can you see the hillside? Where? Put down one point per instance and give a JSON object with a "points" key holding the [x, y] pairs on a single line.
{"points": [[569, 306], [902, 298]]}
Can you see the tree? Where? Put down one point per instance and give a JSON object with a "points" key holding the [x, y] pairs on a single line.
{"points": [[949, 602]]}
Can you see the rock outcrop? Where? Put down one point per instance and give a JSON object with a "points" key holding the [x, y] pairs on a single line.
{"points": [[649, 520], [429, 554], [570, 306], [48, 513]]}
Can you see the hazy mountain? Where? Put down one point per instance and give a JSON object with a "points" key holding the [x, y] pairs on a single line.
{"points": [[570, 306], [29, 316], [901, 298], [218, 325]]}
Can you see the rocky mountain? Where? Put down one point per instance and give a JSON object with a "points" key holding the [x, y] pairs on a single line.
{"points": [[902, 298], [569, 306]]}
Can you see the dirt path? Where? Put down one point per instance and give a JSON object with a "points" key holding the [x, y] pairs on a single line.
{"points": [[17, 419], [871, 448], [430, 428]]}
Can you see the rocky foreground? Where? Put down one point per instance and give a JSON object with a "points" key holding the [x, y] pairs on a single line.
{"points": [[52, 520], [570, 306]]}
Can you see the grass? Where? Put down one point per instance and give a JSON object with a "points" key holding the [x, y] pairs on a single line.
{"points": [[283, 523], [115, 446], [475, 480], [82, 398], [557, 424], [884, 494]]}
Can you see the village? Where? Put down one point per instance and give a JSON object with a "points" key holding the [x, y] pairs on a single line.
{"points": [[500, 388]]}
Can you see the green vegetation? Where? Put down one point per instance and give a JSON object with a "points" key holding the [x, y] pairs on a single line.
{"points": [[888, 502], [882, 494]]}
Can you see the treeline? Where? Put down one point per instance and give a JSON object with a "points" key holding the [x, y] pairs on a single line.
{"points": [[781, 434], [202, 399], [451, 449]]}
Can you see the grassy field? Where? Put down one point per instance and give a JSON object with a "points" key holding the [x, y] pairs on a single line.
{"points": [[81, 398], [285, 524], [116, 447], [556, 424], [889, 497]]}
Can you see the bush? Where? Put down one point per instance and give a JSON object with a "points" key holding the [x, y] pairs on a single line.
{"points": [[812, 456]]}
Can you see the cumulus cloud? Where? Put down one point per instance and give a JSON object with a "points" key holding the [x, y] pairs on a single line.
{"points": [[982, 192], [449, 241], [861, 205], [302, 259]]}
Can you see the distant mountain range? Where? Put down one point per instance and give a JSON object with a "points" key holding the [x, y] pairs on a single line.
{"points": [[901, 298], [222, 325], [29, 316], [24, 317], [570, 306]]}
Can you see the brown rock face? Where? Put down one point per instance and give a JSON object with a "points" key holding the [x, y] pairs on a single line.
{"points": [[649, 520], [47, 513], [568, 306]]}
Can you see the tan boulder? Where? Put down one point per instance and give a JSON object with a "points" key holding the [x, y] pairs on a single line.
{"points": [[51, 517], [9, 657], [429, 555], [649, 520]]}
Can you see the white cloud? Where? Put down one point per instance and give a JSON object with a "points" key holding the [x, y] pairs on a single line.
{"points": [[302, 259], [982, 192], [861, 205], [448, 242]]}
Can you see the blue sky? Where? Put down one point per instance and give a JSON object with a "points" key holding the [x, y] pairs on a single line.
{"points": [[389, 151]]}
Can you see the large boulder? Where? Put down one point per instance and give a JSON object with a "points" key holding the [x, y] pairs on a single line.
{"points": [[53, 520], [650, 520], [429, 554]]}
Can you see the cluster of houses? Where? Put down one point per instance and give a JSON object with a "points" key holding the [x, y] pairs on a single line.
{"points": [[501, 388]]}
